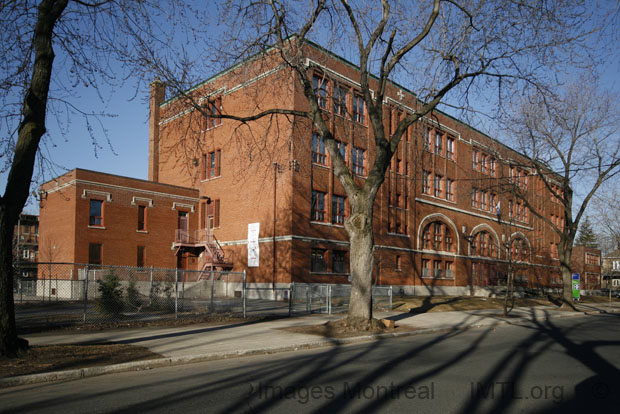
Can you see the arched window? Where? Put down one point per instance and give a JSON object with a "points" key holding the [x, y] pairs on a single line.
{"points": [[519, 250], [483, 244], [438, 236]]}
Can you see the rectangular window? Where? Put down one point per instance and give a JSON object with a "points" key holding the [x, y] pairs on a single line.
{"points": [[474, 197], [212, 109], [203, 215], [214, 163], [318, 206], [317, 261], [94, 253], [140, 256], [427, 138], [592, 259], [359, 113], [213, 214], [483, 200], [319, 84], [397, 263], [438, 189], [141, 218], [358, 161], [211, 164], [493, 202], [340, 101], [437, 268], [426, 182], [96, 213], [449, 273], [339, 264], [450, 148], [475, 161], [449, 189], [342, 148], [438, 143], [492, 167], [426, 271], [319, 155], [338, 209], [483, 163]]}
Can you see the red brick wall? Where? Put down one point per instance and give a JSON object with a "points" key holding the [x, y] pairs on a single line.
{"points": [[245, 187], [65, 219]]}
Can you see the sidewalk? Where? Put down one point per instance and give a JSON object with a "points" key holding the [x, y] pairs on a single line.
{"points": [[181, 345]]}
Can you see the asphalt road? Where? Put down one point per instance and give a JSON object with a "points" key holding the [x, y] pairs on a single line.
{"points": [[564, 366]]}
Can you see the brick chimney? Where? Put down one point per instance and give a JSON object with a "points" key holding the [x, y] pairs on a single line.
{"points": [[158, 92]]}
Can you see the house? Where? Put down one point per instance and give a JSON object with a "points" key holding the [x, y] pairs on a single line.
{"points": [[611, 270], [26, 242], [95, 218], [263, 197], [587, 262]]}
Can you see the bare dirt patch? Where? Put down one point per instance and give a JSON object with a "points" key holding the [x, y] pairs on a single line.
{"points": [[342, 329], [40, 359], [459, 303]]}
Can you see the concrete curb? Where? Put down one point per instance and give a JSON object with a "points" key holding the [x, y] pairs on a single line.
{"points": [[174, 361]]}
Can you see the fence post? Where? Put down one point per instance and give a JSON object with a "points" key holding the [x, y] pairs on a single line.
{"points": [[291, 288], [329, 299], [391, 295], [85, 296], [176, 293], [212, 306], [308, 307], [151, 289], [243, 293], [183, 290]]}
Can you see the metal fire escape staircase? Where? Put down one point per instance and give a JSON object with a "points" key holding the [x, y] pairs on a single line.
{"points": [[203, 244]]}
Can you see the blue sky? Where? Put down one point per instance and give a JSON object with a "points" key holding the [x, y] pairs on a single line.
{"points": [[127, 131]]}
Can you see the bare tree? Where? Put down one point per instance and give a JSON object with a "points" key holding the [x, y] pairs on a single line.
{"points": [[446, 52], [605, 209], [573, 142], [50, 49]]}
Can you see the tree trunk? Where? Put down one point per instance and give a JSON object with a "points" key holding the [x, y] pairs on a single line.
{"points": [[30, 131], [359, 227], [567, 276], [10, 344]]}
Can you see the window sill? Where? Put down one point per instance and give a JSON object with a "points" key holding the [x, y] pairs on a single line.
{"points": [[398, 234], [213, 127], [142, 231], [97, 227], [325, 223], [210, 179], [437, 278], [440, 198], [326, 273], [318, 164]]}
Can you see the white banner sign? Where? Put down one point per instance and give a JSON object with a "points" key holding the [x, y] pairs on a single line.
{"points": [[253, 253]]}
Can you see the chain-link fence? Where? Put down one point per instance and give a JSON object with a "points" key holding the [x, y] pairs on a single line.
{"points": [[65, 293], [56, 294], [332, 298]]}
